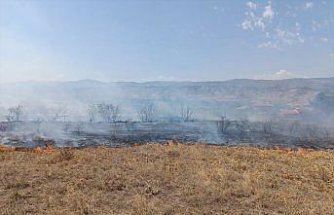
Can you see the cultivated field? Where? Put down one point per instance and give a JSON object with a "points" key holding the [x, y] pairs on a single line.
{"points": [[166, 179]]}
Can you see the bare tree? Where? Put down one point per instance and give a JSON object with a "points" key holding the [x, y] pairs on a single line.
{"points": [[295, 129], [186, 113], [115, 114], [326, 133], [312, 131], [243, 128], [59, 113], [14, 114], [146, 113], [10, 117], [38, 122], [3, 127], [223, 124], [67, 127], [267, 127], [78, 128], [109, 112], [92, 112]]}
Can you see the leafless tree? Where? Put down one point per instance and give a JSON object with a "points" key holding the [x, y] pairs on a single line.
{"points": [[223, 124], [92, 112], [186, 113], [109, 112], [326, 133], [146, 113], [267, 127], [67, 127], [312, 131], [78, 128], [38, 122], [59, 113], [3, 126], [243, 127], [14, 114], [9, 117], [295, 129]]}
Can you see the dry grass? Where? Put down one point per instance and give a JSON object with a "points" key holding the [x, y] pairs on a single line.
{"points": [[167, 179]]}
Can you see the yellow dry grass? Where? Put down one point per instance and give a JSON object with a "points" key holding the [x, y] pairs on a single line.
{"points": [[167, 179]]}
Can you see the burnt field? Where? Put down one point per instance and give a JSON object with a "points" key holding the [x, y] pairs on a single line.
{"points": [[220, 132]]}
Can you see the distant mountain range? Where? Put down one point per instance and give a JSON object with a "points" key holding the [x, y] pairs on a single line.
{"points": [[239, 99]]}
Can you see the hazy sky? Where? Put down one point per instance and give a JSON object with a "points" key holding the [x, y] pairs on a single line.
{"points": [[165, 40]]}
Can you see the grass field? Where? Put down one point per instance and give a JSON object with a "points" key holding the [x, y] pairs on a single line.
{"points": [[166, 179]]}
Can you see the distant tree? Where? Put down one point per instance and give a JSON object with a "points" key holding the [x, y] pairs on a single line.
{"points": [[312, 131], [92, 113], [223, 124], [14, 113], [3, 127], [326, 133], [267, 127], [67, 127], [109, 112], [38, 122], [242, 127], [146, 113], [59, 113], [295, 129], [78, 128], [186, 113]]}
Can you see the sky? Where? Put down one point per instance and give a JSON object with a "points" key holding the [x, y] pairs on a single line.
{"points": [[173, 40]]}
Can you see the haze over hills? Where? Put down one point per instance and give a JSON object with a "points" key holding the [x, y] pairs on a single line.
{"points": [[240, 99]]}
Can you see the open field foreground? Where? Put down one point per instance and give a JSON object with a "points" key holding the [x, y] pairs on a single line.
{"points": [[166, 179]]}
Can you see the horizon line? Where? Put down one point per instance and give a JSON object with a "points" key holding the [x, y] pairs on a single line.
{"points": [[159, 81]]}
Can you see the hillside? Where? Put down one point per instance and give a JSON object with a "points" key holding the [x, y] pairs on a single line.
{"points": [[252, 99]]}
